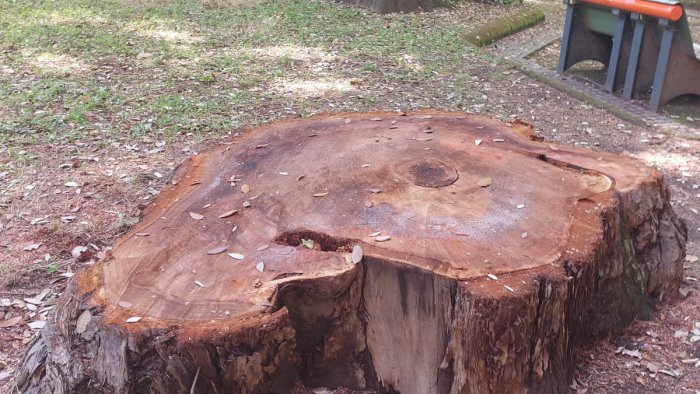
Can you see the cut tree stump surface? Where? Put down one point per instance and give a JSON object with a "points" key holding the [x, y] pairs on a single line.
{"points": [[487, 257]]}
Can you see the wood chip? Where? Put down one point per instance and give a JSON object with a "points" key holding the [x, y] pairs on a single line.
{"points": [[368, 204], [523, 235], [260, 266], [357, 254], [364, 166], [142, 234], [382, 238], [246, 204], [284, 173], [236, 256], [82, 322], [509, 289], [492, 276], [228, 213], [261, 146], [498, 140], [374, 234], [70, 184], [196, 216], [348, 121], [520, 206], [205, 206], [376, 119], [258, 283], [477, 142], [300, 177], [37, 324], [245, 188], [321, 194], [125, 304], [10, 322], [217, 250], [260, 249], [133, 319], [198, 283], [692, 258], [485, 182], [375, 191]]}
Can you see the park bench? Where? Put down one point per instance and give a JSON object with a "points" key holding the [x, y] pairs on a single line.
{"points": [[645, 44]]}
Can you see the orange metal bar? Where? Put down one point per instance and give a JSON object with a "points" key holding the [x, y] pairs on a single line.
{"points": [[656, 10]]}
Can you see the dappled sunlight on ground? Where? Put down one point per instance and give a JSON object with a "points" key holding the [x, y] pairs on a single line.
{"points": [[313, 88], [668, 161], [56, 64], [180, 36], [293, 52]]}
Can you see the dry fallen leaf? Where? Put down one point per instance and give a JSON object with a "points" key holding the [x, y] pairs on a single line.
{"points": [[374, 234], [228, 213], [498, 140], [691, 258], [260, 249], [364, 166], [477, 142], [357, 254], [520, 206], [321, 194], [236, 256], [10, 322], [382, 238], [198, 283], [125, 304], [375, 191], [284, 173], [492, 276], [217, 250], [509, 289], [245, 188], [82, 322], [133, 319], [246, 204], [376, 119], [196, 216], [257, 283], [260, 266], [485, 182], [70, 184], [31, 247], [368, 204]]}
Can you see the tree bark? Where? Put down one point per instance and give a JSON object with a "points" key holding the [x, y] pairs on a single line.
{"points": [[498, 255]]}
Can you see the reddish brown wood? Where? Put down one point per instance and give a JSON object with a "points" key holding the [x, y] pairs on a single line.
{"points": [[503, 255]]}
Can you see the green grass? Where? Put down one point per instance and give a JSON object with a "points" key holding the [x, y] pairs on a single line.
{"points": [[143, 67]]}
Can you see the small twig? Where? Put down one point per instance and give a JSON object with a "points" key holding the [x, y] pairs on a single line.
{"points": [[194, 383]]}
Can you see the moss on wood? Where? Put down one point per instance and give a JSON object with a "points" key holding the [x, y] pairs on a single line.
{"points": [[504, 26]]}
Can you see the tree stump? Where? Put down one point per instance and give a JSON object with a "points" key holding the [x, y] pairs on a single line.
{"points": [[421, 253]]}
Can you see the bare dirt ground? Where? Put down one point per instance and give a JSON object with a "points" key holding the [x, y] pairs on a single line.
{"points": [[74, 175]]}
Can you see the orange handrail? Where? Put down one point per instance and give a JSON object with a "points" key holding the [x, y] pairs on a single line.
{"points": [[657, 10]]}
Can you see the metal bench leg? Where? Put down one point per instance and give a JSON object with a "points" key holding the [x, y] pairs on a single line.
{"points": [[615, 53], [631, 74], [565, 41], [661, 65]]}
